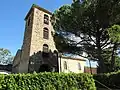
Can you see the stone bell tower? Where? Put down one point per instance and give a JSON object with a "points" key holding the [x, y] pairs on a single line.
{"points": [[37, 36], [38, 52]]}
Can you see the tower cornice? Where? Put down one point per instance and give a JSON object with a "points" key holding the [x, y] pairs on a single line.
{"points": [[38, 7]]}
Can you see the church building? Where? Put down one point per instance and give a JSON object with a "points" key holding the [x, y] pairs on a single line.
{"points": [[38, 52]]}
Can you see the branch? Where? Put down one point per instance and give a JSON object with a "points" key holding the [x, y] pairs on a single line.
{"points": [[106, 44], [92, 40], [85, 40]]}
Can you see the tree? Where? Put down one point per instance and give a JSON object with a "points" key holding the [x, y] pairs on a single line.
{"points": [[5, 56], [114, 34], [89, 20]]}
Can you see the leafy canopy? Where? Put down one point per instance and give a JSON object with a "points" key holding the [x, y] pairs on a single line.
{"points": [[89, 20]]}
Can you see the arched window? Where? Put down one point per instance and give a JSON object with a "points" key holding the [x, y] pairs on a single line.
{"points": [[46, 19], [45, 48], [79, 66], [45, 33], [65, 65]]}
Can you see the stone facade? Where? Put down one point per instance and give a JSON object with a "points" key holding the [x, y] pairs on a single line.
{"points": [[37, 40], [33, 45]]}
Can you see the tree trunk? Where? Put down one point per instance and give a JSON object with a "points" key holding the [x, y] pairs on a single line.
{"points": [[101, 68]]}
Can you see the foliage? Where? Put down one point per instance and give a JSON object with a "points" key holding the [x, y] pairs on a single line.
{"points": [[89, 20], [47, 81], [114, 33], [109, 79], [5, 56], [117, 63], [107, 63]]}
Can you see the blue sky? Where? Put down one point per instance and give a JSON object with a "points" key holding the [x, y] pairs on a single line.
{"points": [[12, 14]]}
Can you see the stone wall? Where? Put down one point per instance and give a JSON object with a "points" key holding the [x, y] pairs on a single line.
{"points": [[37, 39], [16, 61], [26, 43]]}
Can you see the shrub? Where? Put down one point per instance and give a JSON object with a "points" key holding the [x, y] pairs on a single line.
{"points": [[109, 79], [47, 81]]}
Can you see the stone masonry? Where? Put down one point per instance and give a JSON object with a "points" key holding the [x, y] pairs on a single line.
{"points": [[33, 44]]}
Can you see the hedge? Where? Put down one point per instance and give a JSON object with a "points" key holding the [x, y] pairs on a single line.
{"points": [[111, 80], [47, 81]]}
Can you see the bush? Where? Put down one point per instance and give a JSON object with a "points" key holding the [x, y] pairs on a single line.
{"points": [[47, 81], [109, 79]]}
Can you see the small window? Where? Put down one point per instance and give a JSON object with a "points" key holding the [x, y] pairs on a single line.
{"points": [[45, 33], [45, 48], [46, 19], [65, 65], [79, 66], [28, 23]]}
